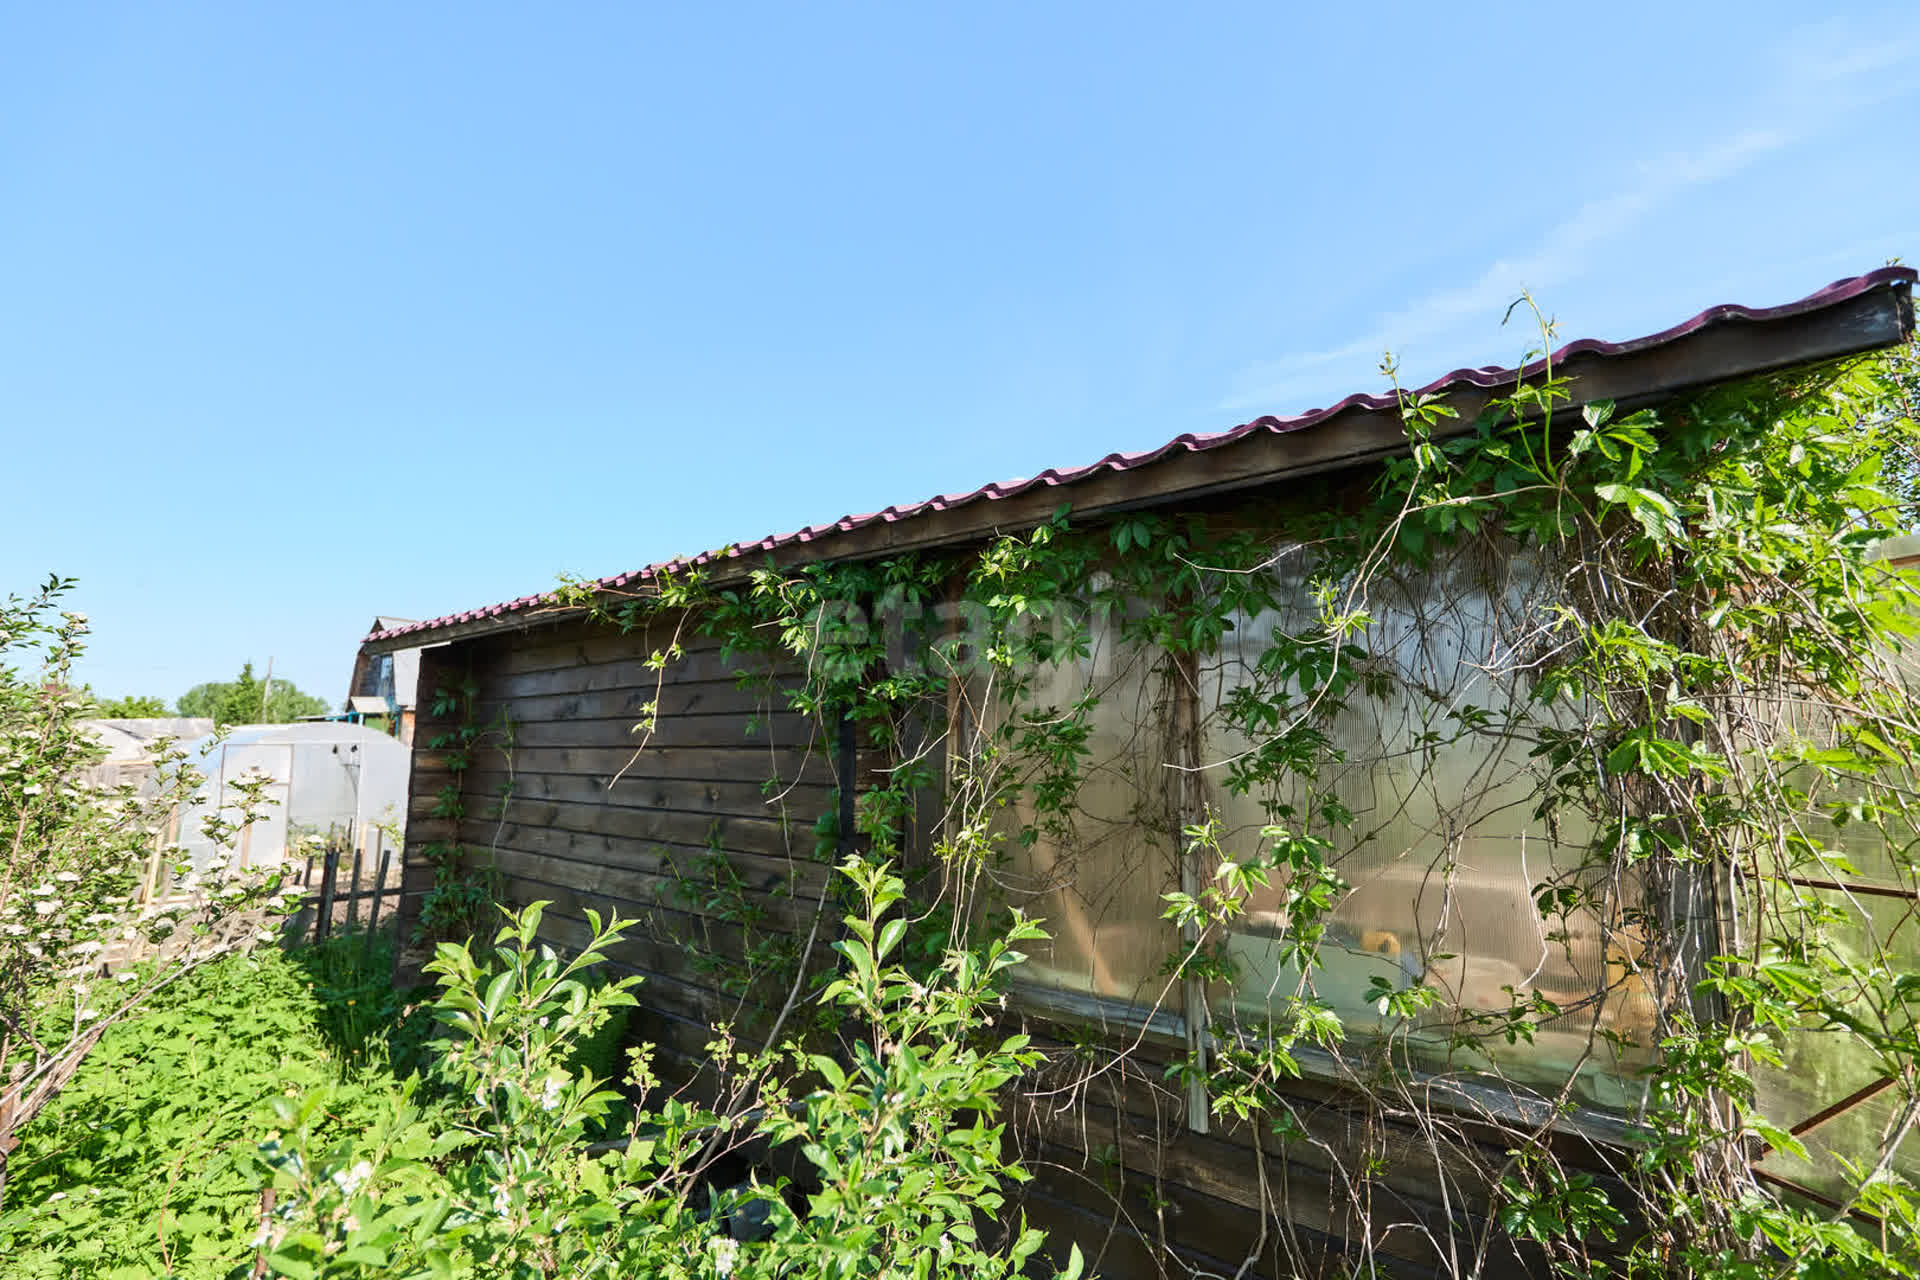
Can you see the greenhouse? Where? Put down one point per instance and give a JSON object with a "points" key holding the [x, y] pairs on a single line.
{"points": [[327, 781]]}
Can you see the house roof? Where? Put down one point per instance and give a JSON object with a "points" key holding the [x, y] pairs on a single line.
{"points": [[1856, 314]]}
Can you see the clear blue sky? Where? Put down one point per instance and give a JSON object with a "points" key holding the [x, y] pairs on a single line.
{"points": [[314, 312]]}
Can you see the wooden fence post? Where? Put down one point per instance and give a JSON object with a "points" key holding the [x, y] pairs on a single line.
{"points": [[379, 884], [330, 869], [353, 882]]}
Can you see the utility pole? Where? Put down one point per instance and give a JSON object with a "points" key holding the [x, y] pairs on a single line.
{"points": [[266, 688]]}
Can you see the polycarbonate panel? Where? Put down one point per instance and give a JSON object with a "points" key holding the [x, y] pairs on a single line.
{"points": [[326, 780], [1098, 887], [1445, 849]]}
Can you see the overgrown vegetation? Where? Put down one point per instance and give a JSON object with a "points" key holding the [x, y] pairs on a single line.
{"points": [[87, 881], [473, 1158], [459, 901], [132, 707], [147, 1163], [501, 1181], [1658, 649], [1652, 668]]}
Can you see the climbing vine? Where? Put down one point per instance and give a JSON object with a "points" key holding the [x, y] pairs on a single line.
{"points": [[1553, 779], [460, 901]]}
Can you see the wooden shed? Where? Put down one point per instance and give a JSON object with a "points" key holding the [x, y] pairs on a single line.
{"points": [[705, 824]]}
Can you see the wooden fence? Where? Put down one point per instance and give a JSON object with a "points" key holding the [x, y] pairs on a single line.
{"points": [[372, 877], [361, 851]]}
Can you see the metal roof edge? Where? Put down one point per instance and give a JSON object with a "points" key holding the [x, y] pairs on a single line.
{"points": [[1585, 353]]}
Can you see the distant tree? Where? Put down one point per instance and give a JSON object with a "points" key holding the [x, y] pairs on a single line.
{"points": [[132, 707], [238, 701]]}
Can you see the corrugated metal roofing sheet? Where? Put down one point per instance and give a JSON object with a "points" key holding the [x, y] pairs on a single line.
{"points": [[1483, 378]]}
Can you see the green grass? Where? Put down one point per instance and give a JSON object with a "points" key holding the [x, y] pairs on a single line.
{"points": [[145, 1164]]}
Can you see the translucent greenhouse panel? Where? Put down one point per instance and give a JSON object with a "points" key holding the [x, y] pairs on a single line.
{"points": [[1444, 850], [225, 765], [1098, 889], [327, 781], [385, 770], [1876, 864], [1824, 1068]]}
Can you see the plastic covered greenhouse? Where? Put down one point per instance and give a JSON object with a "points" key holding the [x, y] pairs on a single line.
{"points": [[328, 779]]}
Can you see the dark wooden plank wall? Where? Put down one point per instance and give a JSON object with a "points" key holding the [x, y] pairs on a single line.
{"points": [[1113, 1158], [547, 814]]}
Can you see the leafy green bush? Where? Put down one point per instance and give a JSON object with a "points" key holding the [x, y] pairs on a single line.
{"points": [[906, 1169], [146, 1164], [362, 1015], [85, 883]]}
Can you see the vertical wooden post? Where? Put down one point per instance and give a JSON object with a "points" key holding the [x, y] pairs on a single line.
{"points": [[353, 884], [266, 1216], [330, 868], [379, 884], [163, 841]]}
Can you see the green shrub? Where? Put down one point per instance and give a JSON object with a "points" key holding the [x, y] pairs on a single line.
{"points": [[907, 1170], [146, 1164]]}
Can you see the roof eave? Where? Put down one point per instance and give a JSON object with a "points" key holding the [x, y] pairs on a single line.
{"points": [[1711, 349]]}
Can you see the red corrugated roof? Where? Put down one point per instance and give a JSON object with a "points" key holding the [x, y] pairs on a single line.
{"points": [[1485, 378]]}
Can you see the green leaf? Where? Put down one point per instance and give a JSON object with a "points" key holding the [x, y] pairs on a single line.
{"points": [[497, 992], [292, 1267], [829, 1069], [1777, 1138]]}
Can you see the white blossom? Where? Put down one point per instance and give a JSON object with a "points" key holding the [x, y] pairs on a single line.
{"points": [[353, 1179]]}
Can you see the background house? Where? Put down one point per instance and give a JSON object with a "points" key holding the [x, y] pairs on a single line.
{"points": [[383, 691]]}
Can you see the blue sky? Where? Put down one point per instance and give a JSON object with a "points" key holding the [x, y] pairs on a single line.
{"points": [[312, 313]]}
